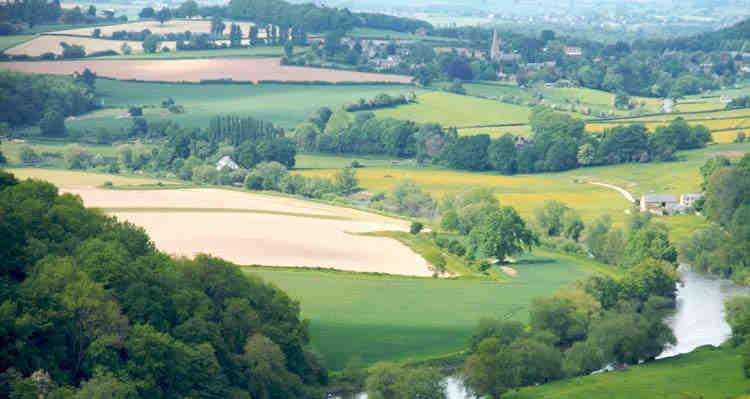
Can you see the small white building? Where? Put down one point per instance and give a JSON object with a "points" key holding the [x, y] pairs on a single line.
{"points": [[227, 162], [573, 51], [725, 99], [658, 203]]}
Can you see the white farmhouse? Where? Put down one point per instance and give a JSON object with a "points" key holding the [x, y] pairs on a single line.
{"points": [[227, 162]]}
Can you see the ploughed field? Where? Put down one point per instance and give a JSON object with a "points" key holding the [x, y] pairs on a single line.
{"points": [[51, 44], [196, 70], [255, 229]]}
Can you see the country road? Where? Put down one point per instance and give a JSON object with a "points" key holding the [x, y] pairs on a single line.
{"points": [[621, 190]]}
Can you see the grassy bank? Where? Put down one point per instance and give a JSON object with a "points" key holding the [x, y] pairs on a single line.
{"points": [[706, 373]]}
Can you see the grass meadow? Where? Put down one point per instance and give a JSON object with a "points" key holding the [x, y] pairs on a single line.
{"points": [[285, 105], [705, 373], [7, 42], [581, 97], [457, 110], [410, 319]]}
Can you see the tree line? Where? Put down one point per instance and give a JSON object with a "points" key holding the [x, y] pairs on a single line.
{"points": [[723, 247], [558, 142], [28, 99], [88, 308]]}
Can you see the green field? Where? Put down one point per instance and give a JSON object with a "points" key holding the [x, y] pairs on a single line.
{"points": [[704, 374], [580, 97], [12, 149], [369, 33], [7, 42], [456, 110], [285, 105], [402, 318]]}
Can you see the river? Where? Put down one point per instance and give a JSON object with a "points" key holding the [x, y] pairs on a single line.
{"points": [[698, 320]]}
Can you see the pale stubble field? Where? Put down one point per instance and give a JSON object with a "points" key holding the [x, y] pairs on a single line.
{"points": [[257, 229]]}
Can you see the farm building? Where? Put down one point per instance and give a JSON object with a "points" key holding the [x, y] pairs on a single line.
{"points": [[227, 162], [658, 203], [688, 199], [573, 51]]}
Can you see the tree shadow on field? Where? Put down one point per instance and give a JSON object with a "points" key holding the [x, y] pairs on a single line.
{"points": [[534, 261]]}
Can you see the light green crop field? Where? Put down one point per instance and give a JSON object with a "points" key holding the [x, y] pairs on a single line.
{"points": [[528, 192], [285, 105], [580, 97], [369, 33], [494, 132], [322, 161], [402, 318], [70, 178], [7, 42], [12, 149], [456, 110], [704, 373]]}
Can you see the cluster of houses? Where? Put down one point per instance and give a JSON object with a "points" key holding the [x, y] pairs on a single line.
{"points": [[668, 204]]}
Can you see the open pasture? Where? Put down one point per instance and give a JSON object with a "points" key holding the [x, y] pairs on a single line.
{"points": [[376, 318], [7, 42], [457, 110], [196, 70], [255, 229], [12, 149], [580, 97], [51, 44], [705, 373], [285, 105]]}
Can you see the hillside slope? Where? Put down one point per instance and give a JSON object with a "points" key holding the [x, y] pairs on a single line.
{"points": [[707, 373]]}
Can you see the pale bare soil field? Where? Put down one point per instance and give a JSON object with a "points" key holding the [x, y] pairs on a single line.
{"points": [[51, 44], [171, 26], [195, 70], [256, 229]]}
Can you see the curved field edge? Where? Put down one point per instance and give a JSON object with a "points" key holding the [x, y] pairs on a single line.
{"points": [[707, 373], [370, 318]]}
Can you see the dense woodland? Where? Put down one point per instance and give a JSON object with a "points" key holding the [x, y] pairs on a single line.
{"points": [[88, 308], [27, 99], [724, 247]]}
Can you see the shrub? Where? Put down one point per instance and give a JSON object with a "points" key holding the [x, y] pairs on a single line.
{"points": [[135, 111], [416, 227]]}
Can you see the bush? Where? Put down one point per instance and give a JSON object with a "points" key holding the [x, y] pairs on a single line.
{"points": [[52, 123], [135, 111], [28, 155], [416, 227]]}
